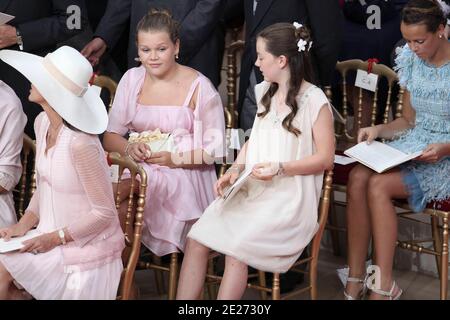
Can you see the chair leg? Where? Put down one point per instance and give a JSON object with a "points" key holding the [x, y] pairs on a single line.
{"points": [[276, 286], [332, 220], [313, 278], [159, 276], [211, 285], [173, 276], [437, 243], [444, 259], [262, 283]]}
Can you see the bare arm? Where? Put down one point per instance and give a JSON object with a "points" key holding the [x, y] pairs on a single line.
{"points": [[322, 159], [113, 142]]}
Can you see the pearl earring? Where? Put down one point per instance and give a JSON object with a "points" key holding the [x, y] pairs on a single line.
{"points": [[441, 36], [176, 56], [137, 59]]}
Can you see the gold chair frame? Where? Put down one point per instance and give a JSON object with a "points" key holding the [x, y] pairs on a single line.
{"points": [[134, 220], [26, 188], [110, 85]]}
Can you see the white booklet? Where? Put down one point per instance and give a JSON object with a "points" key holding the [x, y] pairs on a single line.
{"points": [[231, 190], [379, 156], [5, 18], [15, 243], [343, 160]]}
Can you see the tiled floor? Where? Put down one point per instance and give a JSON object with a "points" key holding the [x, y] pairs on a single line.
{"points": [[416, 286]]}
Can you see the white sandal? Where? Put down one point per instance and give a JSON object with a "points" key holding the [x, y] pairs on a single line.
{"points": [[361, 293], [390, 293]]}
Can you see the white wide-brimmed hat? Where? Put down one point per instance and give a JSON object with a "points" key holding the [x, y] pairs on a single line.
{"points": [[62, 78]]}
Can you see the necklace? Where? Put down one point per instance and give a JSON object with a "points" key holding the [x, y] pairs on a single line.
{"points": [[279, 102]]}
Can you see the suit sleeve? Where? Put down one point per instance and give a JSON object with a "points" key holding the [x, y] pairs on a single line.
{"points": [[49, 31], [114, 21], [198, 25], [326, 25]]}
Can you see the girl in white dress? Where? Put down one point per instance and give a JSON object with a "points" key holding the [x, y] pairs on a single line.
{"points": [[273, 217]]}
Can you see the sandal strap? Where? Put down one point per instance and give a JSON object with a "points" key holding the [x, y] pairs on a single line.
{"points": [[353, 279], [382, 292], [348, 297]]}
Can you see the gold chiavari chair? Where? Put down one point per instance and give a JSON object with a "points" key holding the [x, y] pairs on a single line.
{"points": [[438, 212], [132, 226], [230, 110], [311, 261], [108, 84], [27, 183], [345, 138]]}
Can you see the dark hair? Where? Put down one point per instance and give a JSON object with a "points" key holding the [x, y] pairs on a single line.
{"points": [[159, 20], [427, 12], [281, 40]]}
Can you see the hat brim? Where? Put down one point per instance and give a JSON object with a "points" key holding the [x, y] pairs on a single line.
{"points": [[86, 113]]}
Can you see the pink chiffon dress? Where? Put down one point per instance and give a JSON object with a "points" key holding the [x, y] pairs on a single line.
{"points": [[74, 192], [176, 197]]}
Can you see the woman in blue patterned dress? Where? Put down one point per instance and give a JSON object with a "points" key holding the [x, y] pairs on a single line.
{"points": [[423, 66]]}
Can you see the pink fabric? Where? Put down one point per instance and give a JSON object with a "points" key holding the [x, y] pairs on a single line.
{"points": [[176, 198], [74, 191], [12, 123]]}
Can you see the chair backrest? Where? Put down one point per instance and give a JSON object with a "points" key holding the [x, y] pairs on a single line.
{"points": [[230, 110], [134, 217], [27, 183], [110, 85], [383, 71], [232, 52]]}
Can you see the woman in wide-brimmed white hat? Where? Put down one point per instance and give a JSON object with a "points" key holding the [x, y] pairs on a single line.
{"points": [[77, 254]]}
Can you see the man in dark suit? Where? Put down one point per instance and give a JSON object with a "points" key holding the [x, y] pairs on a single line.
{"points": [[199, 23], [37, 28], [322, 17]]}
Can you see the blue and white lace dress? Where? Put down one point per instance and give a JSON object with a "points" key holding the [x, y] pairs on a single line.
{"points": [[429, 89]]}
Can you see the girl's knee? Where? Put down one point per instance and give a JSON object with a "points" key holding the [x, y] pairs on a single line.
{"points": [[196, 248], [358, 180], [378, 187], [5, 276], [235, 262]]}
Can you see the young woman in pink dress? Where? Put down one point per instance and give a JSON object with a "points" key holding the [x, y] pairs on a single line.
{"points": [[162, 94], [78, 252]]}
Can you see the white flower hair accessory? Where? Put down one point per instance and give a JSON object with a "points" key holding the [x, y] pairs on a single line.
{"points": [[297, 25], [301, 44]]}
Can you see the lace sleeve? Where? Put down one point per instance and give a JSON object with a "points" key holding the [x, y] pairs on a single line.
{"points": [[90, 164], [404, 65]]}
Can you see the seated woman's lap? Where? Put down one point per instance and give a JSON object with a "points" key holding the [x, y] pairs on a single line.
{"points": [[363, 179]]}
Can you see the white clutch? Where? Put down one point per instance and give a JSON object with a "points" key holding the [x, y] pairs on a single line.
{"points": [[156, 140]]}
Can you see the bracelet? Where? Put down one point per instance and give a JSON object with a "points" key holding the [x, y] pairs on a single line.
{"points": [[234, 168], [126, 149]]}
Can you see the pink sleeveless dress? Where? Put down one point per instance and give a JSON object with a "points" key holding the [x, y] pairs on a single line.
{"points": [[176, 198]]}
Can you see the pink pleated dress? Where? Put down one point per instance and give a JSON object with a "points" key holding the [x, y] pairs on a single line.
{"points": [[176, 198]]}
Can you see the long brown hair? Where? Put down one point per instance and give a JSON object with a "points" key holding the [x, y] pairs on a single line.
{"points": [[427, 12], [281, 40]]}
